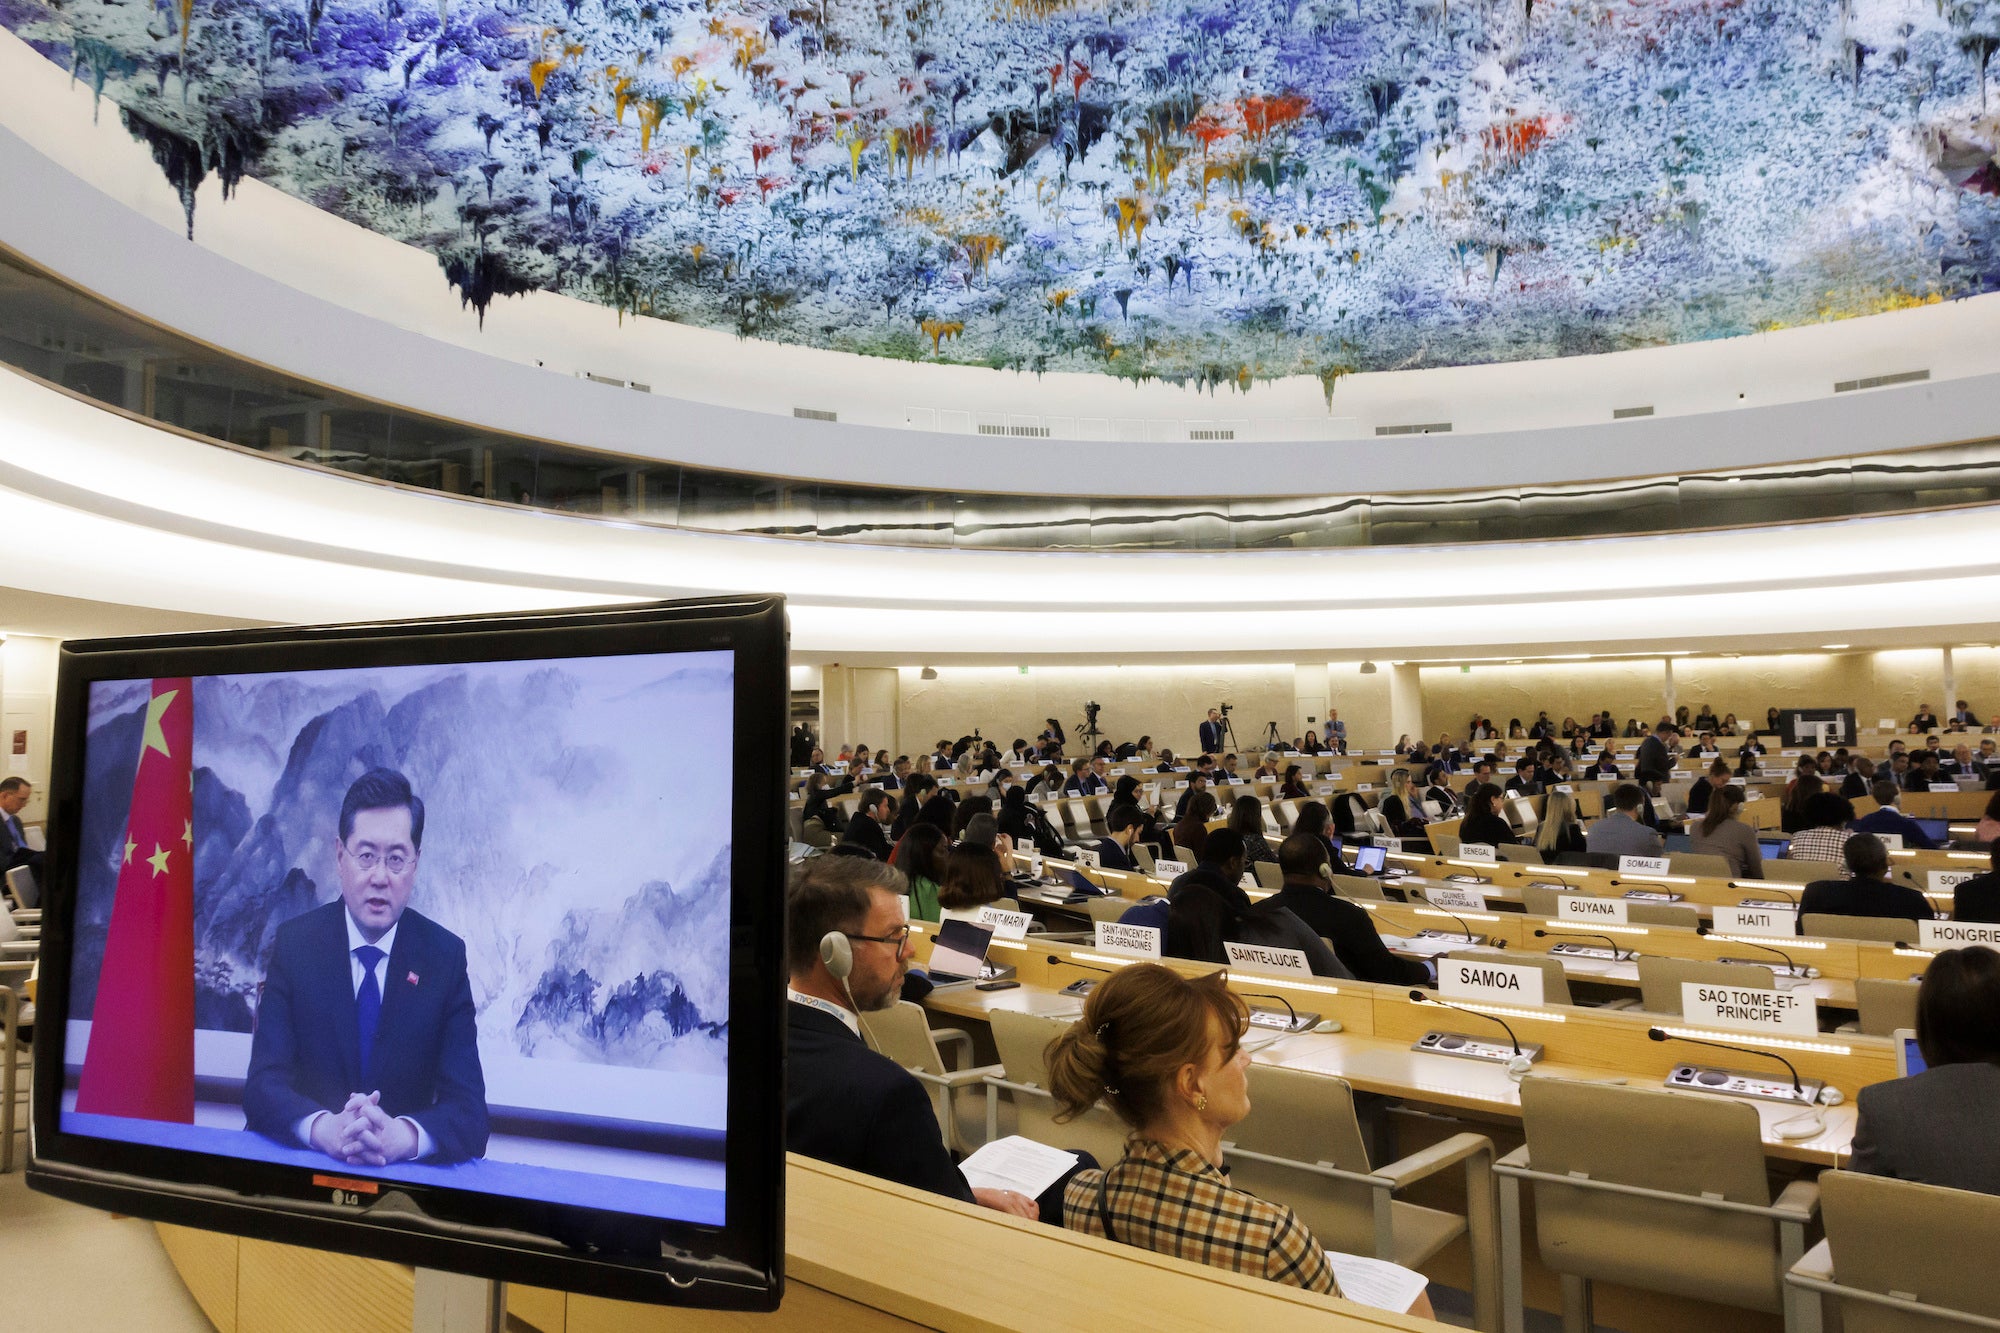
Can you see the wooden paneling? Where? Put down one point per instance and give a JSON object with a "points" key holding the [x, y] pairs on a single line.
{"points": [[207, 1262]]}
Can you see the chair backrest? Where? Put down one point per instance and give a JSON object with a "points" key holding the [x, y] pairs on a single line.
{"points": [[21, 883], [1307, 1117], [1078, 810], [902, 1033], [1889, 1235], [1269, 875], [815, 834], [1699, 863], [1662, 1141], [1884, 1006], [1555, 981], [1287, 812], [1052, 810], [1524, 852], [1359, 886], [1799, 872], [1107, 909], [1661, 979], [1893, 929], [1663, 914], [1143, 854], [10, 930], [1539, 900], [1021, 1040]]}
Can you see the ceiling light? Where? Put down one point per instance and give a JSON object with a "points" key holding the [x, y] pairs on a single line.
{"points": [[1833, 647], [1369, 668], [928, 673]]}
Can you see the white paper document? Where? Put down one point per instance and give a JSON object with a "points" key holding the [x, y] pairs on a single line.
{"points": [[1017, 1164], [1376, 1282], [1430, 948]]}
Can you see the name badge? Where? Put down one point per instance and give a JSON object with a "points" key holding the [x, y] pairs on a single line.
{"points": [[1262, 958], [1944, 786], [1035, 862], [1756, 921], [1478, 851], [1138, 941], [1565, 788], [1389, 844], [1642, 865], [1891, 841], [1162, 866], [1086, 857], [1459, 978], [1941, 880], [1579, 907], [1332, 774], [1751, 1010], [1935, 935], [1006, 925], [1364, 786], [1456, 900]]}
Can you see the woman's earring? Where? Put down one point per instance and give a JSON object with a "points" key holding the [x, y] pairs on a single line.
{"points": [[1201, 1101]]}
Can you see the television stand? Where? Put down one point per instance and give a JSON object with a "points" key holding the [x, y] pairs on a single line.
{"points": [[455, 1303]]}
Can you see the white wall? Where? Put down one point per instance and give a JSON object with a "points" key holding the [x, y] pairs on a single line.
{"points": [[28, 685]]}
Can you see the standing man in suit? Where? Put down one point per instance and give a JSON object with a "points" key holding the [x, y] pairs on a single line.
{"points": [[847, 949], [14, 848], [1211, 732], [1654, 763], [366, 1046]]}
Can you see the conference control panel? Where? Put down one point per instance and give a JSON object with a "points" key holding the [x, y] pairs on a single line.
{"points": [[1785, 971], [1654, 896], [1779, 904], [1279, 1020], [1467, 879], [1588, 951], [1449, 937], [1736, 1083], [1473, 1048]]}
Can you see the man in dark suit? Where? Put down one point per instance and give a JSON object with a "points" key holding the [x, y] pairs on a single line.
{"points": [[14, 849], [1978, 898], [1867, 893], [1654, 764], [1886, 818], [1211, 732], [366, 1046], [864, 827], [1126, 824], [1309, 894], [844, 1103]]}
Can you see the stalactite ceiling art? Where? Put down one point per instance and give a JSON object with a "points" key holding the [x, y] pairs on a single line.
{"points": [[1204, 191]]}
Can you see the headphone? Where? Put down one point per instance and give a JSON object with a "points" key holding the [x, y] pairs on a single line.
{"points": [[837, 952]]}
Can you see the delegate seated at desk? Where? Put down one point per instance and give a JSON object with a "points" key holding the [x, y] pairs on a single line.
{"points": [[1978, 898], [1936, 1127], [1620, 833], [1207, 908], [1867, 893], [844, 1103], [366, 1045], [1307, 893]]}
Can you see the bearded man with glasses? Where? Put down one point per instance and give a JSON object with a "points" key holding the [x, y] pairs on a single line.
{"points": [[366, 1047]]}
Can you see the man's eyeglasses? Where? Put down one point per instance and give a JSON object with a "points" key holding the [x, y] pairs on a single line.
{"points": [[397, 862], [898, 937]]}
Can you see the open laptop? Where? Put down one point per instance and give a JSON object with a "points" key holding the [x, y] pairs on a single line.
{"points": [[959, 956], [1909, 1060], [1370, 860], [1937, 830]]}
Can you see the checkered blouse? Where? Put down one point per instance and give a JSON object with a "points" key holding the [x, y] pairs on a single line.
{"points": [[1174, 1201]]}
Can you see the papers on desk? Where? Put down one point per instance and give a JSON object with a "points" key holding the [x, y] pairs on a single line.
{"points": [[1431, 947], [1019, 1164], [1376, 1282]]}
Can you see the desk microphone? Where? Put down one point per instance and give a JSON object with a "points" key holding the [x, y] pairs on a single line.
{"points": [[1787, 894], [1797, 971], [1787, 1129], [1258, 995], [1516, 1067], [1470, 933], [1057, 960], [1624, 957]]}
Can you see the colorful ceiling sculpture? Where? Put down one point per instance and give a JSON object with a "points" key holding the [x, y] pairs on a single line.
{"points": [[1208, 191]]}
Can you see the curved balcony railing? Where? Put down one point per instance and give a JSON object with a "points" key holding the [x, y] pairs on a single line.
{"points": [[69, 338]]}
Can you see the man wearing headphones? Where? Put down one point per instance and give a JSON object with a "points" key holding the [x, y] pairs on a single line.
{"points": [[848, 948]]}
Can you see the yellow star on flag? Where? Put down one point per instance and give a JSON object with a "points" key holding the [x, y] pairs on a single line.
{"points": [[130, 847], [188, 836], [156, 738], [158, 860]]}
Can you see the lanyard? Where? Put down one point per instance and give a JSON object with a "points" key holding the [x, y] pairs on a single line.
{"points": [[826, 1007]]}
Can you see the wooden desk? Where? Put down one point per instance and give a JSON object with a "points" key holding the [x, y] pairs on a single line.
{"points": [[861, 1256]]}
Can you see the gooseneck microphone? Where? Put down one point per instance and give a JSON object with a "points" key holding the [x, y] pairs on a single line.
{"points": [[1470, 933], [1797, 1087], [1425, 997], [1786, 894], [1797, 971], [1625, 957], [1259, 995]]}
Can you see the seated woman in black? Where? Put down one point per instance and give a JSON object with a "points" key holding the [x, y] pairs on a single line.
{"points": [[1293, 787], [1208, 909], [1126, 791], [1484, 822]]}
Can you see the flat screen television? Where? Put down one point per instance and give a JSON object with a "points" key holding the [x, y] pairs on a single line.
{"points": [[456, 943]]}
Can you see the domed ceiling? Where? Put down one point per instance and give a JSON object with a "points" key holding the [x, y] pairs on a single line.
{"points": [[1205, 191]]}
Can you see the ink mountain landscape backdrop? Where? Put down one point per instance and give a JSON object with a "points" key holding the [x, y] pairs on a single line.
{"points": [[1205, 191]]}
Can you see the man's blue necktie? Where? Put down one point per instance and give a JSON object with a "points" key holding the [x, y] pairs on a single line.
{"points": [[368, 1003]]}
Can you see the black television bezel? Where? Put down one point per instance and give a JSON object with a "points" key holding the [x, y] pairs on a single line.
{"points": [[738, 1265]]}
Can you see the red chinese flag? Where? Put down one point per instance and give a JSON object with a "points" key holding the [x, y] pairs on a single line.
{"points": [[140, 1061]]}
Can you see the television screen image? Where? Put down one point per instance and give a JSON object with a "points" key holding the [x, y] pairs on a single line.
{"points": [[458, 928]]}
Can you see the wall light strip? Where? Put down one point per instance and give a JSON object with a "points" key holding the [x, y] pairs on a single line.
{"points": [[1247, 978], [1914, 953], [1756, 1039], [1539, 1015], [1455, 916], [1475, 865], [1016, 945], [1596, 927], [1658, 879], [1107, 960], [1568, 872]]}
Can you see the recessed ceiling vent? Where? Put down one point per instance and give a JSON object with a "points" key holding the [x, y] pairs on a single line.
{"points": [[1426, 428], [1627, 413], [814, 414], [1878, 381], [1211, 435]]}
